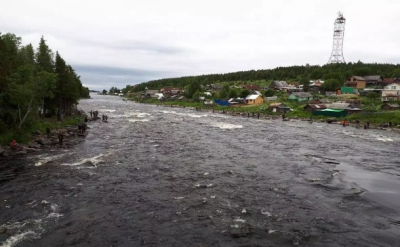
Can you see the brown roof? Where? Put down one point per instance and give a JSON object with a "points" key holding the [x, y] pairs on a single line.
{"points": [[251, 87], [316, 106], [388, 80], [360, 78]]}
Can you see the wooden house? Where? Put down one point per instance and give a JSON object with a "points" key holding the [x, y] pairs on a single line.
{"points": [[355, 82], [254, 99]]}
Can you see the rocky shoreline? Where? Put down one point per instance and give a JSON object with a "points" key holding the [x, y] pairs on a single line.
{"points": [[42, 141]]}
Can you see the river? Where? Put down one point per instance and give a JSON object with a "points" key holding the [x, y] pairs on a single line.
{"points": [[161, 176]]}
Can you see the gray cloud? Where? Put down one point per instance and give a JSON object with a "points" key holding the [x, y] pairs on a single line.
{"points": [[127, 42]]}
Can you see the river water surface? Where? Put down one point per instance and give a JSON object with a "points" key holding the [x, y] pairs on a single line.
{"points": [[161, 176]]}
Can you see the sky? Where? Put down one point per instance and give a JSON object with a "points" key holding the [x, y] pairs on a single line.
{"points": [[125, 42]]}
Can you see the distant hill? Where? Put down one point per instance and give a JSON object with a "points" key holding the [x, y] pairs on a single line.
{"points": [[291, 74]]}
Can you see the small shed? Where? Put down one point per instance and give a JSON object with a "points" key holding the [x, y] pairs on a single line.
{"points": [[279, 107]]}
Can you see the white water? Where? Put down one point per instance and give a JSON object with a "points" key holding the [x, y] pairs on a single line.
{"points": [[222, 125]]}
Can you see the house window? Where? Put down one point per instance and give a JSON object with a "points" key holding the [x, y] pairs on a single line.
{"points": [[393, 87]]}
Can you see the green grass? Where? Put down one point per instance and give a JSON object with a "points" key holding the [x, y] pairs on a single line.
{"points": [[377, 117], [371, 108], [26, 134]]}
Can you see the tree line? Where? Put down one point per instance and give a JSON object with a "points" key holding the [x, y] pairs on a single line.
{"points": [[35, 83], [335, 74]]}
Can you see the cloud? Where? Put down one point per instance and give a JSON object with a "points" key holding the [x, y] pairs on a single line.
{"points": [[103, 77], [154, 39]]}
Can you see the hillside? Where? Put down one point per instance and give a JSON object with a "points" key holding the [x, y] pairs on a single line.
{"points": [[293, 73]]}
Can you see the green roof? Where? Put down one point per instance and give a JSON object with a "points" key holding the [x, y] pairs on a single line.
{"points": [[333, 110]]}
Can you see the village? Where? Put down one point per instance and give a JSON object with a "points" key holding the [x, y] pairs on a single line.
{"points": [[359, 97]]}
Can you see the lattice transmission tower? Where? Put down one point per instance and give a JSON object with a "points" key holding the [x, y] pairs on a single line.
{"points": [[338, 36]]}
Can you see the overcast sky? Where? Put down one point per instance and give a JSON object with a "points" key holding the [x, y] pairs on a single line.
{"points": [[120, 42]]}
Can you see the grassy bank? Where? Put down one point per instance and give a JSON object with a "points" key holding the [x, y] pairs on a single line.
{"points": [[27, 134], [371, 113]]}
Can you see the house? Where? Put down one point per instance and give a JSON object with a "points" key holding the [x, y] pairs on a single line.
{"points": [[236, 101], [215, 87], [391, 92], [279, 85], [272, 98], [279, 107], [338, 106], [330, 93], [346, 107], [387, 81], [294, 84], [390, 106], [250, 87], [301, 96], [355, 82], [322, 101], [158, 96], [314, 107], [373, 80], [170, 91], [254, 99], [151, 93], [315, 86], [257, 92]]}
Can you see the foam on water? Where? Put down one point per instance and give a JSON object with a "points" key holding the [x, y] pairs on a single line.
{"points": [[109, 110], [44, 160], [168, 112], [31, 229], [94, 161], [13, 240], [138, 120], [226, 125]]}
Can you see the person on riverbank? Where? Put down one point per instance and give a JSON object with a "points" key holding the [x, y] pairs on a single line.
{"points": [[367, 123], [15, 146], [344, 123], [48, 132], [283, 116], [91, 113], [60, 138], [357, 123]]}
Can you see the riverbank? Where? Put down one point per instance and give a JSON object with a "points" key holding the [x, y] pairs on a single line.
{"points": [[261, 112], [35, 138]]}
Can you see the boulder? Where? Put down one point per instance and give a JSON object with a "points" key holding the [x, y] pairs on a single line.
{"points": [[33, 145], [40, 141]]}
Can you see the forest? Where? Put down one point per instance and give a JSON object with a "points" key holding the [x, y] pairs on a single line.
{"points": [[34, 84], [334, 74]]}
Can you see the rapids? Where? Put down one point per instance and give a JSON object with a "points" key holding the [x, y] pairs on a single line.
{"points": [[165, 176]]}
